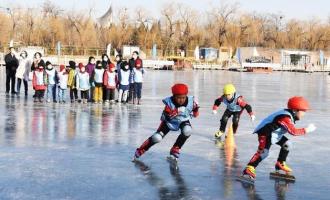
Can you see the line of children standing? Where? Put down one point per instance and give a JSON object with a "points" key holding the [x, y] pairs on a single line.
{"points": [[97, 82]]}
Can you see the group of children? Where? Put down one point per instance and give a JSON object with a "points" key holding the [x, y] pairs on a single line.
{"points": [[180, 108], [97, 81]]}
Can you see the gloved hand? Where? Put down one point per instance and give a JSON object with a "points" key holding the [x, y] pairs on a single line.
{"points": [[253, 117], [310, 128], [195, 114], [214, 112]]}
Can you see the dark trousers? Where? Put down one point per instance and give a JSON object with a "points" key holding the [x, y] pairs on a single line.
{"points": [[137, 90], [73, 94], [19, 82], [226, 115], [10, 77], [84, 94], [110, 94], [104, 92], [130, 92], [40, 94]]}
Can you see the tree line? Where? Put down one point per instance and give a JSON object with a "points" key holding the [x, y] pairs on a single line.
{"points": [[178, 26]]}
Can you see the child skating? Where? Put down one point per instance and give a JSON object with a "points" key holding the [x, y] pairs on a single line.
{"points": [[235, 106], [178, 110], [271, 130]]}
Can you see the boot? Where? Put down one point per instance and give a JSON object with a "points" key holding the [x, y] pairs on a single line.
{"points": [[175, 151], [250, 171], [282, 166], [218, 134]]}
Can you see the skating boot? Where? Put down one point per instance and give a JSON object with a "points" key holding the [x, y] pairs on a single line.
{"points": [[250, 172], [282, 166], [248, 176], [175, 152], [138, 153], [218, 135]]}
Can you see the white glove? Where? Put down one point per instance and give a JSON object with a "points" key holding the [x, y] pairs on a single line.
{"points": [[310, 128], [253, 117], [214, 112]]}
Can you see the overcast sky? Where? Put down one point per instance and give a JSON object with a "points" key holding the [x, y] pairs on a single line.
{"points": [[299, 9]]}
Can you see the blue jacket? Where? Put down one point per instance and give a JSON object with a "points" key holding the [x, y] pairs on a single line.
{"points": [[232, 105], [278, 133], [184, 113]]}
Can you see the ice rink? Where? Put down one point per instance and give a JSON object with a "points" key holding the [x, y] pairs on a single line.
{"points": [[74, 151]]}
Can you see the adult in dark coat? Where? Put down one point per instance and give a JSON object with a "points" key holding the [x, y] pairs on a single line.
{"points": [[11, 67]]}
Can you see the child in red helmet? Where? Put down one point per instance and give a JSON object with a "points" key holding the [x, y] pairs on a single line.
{"points": [[178, 110], [271, 131]]}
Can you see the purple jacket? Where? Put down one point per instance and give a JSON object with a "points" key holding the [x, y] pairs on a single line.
{"points": [[90, 68]]}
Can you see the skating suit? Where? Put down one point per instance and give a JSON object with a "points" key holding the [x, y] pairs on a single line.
{"points": [[179, 115]]}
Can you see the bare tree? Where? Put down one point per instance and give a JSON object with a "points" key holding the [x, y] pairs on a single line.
{"points": [[170, 21], [273, 29], [188, 17], [50, 9], [221, 17]]}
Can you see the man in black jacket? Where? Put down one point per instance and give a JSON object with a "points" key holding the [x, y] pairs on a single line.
{"points": [[11, 66]]}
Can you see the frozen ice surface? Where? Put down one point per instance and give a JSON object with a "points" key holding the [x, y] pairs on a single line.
{"points": [[74, 151]]}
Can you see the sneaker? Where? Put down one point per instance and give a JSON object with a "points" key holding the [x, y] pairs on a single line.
{"points": [[48, 100], [250, 171], [282, 166], [175, 151], [218, 134]]}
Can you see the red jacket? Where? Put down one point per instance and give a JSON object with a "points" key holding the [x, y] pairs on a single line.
{"points": [[39, 80], [106, 80]]}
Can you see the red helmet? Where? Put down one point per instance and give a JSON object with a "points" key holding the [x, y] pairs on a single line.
{"points": [[111, 65], [298, 103], [62, 67], [80, 65], [180, 89]]}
